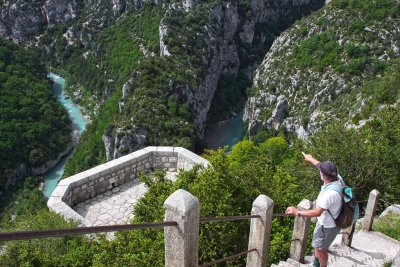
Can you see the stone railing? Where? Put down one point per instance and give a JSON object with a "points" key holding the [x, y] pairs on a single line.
{"points": [[181, 242], [182, 226], [92, 182]]}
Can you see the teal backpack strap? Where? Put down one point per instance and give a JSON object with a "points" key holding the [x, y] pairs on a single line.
{"points": [[334, 187]]}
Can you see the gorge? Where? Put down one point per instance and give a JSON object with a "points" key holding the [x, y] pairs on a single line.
{"points": [[158, 73]]}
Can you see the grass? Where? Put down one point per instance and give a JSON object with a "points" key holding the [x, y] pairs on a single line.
{"points": [[388, 225]]}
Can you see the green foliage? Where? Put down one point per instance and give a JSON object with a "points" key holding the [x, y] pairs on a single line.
{"points": [[28, 200], [89, 150], [367, 156], [373, 10], [382, 91], [272, 168], [29, 212], [34, 128], [321, 50], [388, 225]]}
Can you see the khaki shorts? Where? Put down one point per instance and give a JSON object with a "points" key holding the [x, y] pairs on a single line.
{"points": [[323, 237]]}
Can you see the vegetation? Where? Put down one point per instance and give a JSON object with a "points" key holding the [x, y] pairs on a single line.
{"points": [[120, 56], [29, 212], [366, 159], [388, 225], [331, 65], [34, 128]]}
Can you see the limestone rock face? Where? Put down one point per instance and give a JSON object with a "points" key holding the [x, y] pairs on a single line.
{"points": [[58, 11], [163, 33], [189, 4], [121, 142], [21, 19], [126, 91]]}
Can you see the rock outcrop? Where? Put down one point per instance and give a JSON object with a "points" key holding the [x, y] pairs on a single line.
{"points": [[20, 19], [121, 142], [319, 88]]}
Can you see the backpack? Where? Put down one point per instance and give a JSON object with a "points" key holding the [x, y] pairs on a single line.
{"points": [[350, 211]]}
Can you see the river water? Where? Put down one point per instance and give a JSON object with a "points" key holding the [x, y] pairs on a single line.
{"points": [[52, 177], [224, 133]]}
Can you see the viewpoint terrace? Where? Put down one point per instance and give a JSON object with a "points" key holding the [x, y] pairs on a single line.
{"points": [[106, 194]]}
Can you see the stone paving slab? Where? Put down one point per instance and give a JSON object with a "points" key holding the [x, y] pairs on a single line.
{"points": [[115, 206]]}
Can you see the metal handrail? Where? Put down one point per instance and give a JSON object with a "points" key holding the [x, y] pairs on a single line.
{"points": [[237, 218], [80, 230], [227, 258], [227, 218], [23, 235]]}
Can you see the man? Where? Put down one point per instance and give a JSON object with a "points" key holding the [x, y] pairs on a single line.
{"points": [[329, 203]]}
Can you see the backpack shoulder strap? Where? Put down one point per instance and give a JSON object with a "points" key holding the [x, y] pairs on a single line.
{"points": [[336, 188]]}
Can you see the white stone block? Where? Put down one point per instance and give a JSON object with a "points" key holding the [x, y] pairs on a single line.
{"points": [[60, 191]]}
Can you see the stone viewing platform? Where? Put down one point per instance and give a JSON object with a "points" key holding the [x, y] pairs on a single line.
{"points": [[106, 194]]}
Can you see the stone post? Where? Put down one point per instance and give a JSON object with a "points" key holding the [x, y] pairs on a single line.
{"points": [[300, 231], [182, 241], [347, 236], [370, 210], [260, 231]]}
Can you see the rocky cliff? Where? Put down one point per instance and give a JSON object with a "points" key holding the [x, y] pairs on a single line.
{"points": [[213, 47], [319, 70], [21, 20], [234, 26], [171, 93]]}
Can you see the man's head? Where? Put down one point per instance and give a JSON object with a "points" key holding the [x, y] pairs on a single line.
{"points": [[328, 169]]}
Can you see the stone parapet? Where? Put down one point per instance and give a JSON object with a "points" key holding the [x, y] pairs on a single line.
{"points": [[90, 183]]}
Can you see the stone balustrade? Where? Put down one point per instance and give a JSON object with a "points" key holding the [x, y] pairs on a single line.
{"points": [[95, 181]]}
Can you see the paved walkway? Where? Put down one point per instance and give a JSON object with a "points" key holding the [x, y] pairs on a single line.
{"points": [[114, 206], [369, 249]]}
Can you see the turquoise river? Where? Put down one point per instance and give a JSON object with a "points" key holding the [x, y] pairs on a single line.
{"points": [[79, 121]]}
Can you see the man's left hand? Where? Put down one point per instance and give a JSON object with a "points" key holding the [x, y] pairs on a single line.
{"points": [[291, 211]]}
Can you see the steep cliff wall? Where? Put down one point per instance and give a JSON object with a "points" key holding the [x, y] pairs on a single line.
{"points": [[208, 40], [20, 20], [317, 71]]}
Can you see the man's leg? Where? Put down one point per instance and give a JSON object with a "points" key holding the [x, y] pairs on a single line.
{"points": [[316, 260], [322, 255]]}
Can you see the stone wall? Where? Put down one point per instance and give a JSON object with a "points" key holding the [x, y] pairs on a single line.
{"points": [[92, 182]]}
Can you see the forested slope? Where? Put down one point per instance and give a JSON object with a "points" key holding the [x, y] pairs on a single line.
{"points": [[34, 128]]}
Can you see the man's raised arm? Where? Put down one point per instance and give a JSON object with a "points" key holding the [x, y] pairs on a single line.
{"points": [[310, 158]]}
